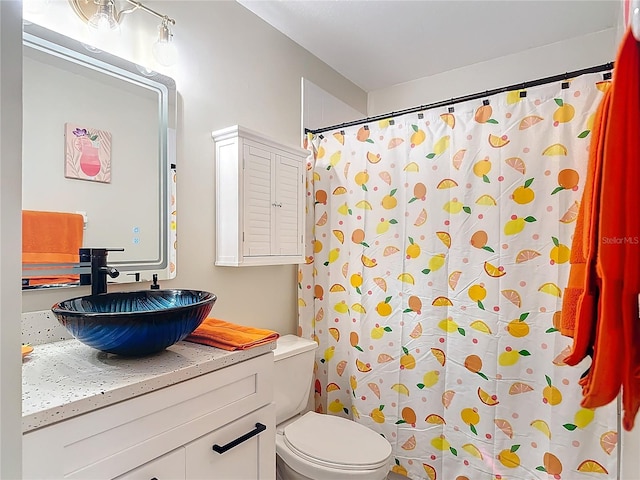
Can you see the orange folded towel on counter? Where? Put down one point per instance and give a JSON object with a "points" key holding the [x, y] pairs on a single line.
{"points": [[230, 336]]}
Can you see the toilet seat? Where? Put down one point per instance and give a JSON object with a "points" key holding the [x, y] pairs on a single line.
{"points": [[328, 441]]}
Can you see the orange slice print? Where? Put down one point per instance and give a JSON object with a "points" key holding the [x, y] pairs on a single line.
{"points": [[339, 235], [559, 360], [504, 426], [444, 238], [335, 333], [449, 119], [339, 191], [519, 387], [381, 282], [322, 220], [339, 137], [571, 214], [529, 121], [362, 367], [384, 358], [342, 364], [447, 183], [447, 397], [368, 262], [513, 296], [435, 419], [526, 255], [410, 444], [430, 471], [332, 387], [457, 158], [373, 387], [487, 399], [442, 302], [591, 466], [517, 164], [453, 279], [390, 250], [386, 177], [608, 441], [493, 271], [394, 142], [422, 218], [441, 357], [498, 142], [417, 331], [373, 157], [603, 86]]}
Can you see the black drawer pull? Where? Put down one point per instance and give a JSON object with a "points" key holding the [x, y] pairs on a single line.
{"points": [[234, 443]]}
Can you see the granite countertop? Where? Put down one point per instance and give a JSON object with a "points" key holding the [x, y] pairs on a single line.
{"points": [[64, 379]]}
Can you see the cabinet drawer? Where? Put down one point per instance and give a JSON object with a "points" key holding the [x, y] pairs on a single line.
{"points": [[116, 439], [167, 467], [245, 450]]}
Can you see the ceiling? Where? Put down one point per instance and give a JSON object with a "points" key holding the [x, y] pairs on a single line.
{"points": [[380, 43]]}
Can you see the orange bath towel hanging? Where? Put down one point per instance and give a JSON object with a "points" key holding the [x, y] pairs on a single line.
{"points": [[608, 322]]}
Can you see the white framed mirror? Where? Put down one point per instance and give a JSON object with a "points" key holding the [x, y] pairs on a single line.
{"points": [[98, 162]]}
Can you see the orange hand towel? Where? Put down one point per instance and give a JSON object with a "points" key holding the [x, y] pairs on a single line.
{"points": [[583, 248], [229, 336], [51, 237]]}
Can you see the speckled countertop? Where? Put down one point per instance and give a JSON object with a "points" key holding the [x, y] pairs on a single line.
{"points": [[63, 379]]}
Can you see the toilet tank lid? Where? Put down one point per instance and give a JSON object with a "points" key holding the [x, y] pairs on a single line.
{"points": [[289, 345]]}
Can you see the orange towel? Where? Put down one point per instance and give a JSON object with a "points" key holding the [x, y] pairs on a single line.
{"points": [[51, 237], [229, 336], [607, 325], [581, 290]]}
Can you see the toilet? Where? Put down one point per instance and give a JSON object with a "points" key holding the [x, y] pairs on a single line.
{"points": [[313, 446]]}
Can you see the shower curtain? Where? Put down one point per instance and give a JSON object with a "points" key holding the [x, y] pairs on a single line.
{"points": [[438, 249]]}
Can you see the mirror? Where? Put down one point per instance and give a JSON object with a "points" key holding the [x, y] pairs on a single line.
{"points": [[98, 141]]}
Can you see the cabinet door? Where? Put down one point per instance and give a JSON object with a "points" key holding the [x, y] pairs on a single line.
{"points": [[258, 208], [247, 451], [290, 207], [168, 467]]}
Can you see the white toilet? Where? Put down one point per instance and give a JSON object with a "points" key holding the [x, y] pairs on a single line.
{"points": [[313, 446]]}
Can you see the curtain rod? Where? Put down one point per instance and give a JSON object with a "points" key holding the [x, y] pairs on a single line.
{"points": [[466, 98]]}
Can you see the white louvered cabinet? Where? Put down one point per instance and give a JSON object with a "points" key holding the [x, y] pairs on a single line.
{"points": [[259, 199]]}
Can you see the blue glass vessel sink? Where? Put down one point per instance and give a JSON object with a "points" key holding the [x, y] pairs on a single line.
{"points": [[134, 323]]}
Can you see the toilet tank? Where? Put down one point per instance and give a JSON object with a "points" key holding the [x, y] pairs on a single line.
{"points": [[293, 373]]}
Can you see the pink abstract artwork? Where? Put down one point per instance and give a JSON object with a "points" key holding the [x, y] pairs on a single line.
{"points": [[87, 153]]}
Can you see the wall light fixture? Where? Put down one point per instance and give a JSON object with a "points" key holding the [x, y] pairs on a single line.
{"points": [[103, 16]]}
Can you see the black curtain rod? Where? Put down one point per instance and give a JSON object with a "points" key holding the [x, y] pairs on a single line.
{"points": [[466, 98]]}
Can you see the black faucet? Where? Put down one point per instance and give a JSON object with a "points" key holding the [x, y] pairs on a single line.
{"points": [[99, 268]]}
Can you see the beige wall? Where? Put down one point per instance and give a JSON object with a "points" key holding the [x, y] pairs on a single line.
{"points": [[553, 59], [233, 69]]}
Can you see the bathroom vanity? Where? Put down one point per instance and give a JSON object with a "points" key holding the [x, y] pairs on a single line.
{"points": [[190, 411]]}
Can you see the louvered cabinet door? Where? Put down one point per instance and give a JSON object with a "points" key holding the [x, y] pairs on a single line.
{"points": [[289, 197], [259, 177]]}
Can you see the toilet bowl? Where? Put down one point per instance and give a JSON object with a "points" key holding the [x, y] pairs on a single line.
{"points": [[313, 446]]}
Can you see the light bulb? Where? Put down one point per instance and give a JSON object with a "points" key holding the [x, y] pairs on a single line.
{"points": [[164, 51], [104, 20]]}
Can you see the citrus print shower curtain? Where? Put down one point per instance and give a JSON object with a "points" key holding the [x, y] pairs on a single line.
{"points": [[438, 252]]}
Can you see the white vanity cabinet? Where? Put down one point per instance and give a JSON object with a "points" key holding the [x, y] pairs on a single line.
{"points": [[260, 188], [169, 433]]}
